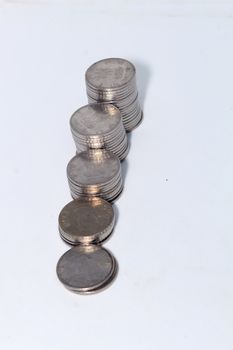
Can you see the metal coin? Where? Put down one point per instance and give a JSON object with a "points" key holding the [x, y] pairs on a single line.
{"points": [[110, 73], [93, 167], [114, 81], [99, 125], [95, 119], [86, 220], [107, 283], [85, 269]]}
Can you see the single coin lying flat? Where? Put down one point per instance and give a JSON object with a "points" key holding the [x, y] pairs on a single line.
{"points": [[86, 269]]}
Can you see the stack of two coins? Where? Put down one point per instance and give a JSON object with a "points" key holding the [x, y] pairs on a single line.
{"points": [[88, 267], [113, 80], [97, 126], [95, 173]]}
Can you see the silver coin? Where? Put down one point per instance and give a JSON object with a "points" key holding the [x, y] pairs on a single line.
{"points": [[118, 150], [108, 187], [131, 114], [86, 220], [112, 95], [95, 119], [97, 126], [114, 81], [121, 102], [109, 196], [85, 269], [107, 283], [110, 73], [93, 167]]}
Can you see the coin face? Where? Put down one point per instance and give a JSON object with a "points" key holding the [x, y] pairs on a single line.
{"points": [[86, 220], [110, 73], [93, 167], [95, 119], [85, 269]]}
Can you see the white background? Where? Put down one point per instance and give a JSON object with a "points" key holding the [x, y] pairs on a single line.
{"points": [[174, 235]]}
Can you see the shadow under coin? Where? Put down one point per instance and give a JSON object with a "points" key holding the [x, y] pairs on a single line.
{"points": [[143, 75]]}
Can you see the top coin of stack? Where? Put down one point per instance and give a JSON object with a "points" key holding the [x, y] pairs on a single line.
{"points": [[113, 80], [95, 173], [99, 125]]}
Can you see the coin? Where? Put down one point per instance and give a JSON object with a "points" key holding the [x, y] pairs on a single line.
{"points": [[108, 282], [113, 80], [95, 173], [99, 125], [86, 220], [110, 73], [95, 119], [86, 269], [93, 167]]}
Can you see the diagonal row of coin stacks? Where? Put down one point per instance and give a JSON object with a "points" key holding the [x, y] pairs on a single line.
{"points": [[99, 130]]}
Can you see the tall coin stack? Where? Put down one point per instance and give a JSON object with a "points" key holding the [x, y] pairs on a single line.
{"points": [[113, 80], [94, 174], [99, 125]]}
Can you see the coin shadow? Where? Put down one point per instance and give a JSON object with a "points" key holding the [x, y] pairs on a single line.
{"points": [[124, 170], [125, 164], [144, 74], [117, 214]]}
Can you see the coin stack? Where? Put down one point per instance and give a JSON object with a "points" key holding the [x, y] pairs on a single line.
{"points": [[95, 173], [99, 125], [113, 80], [86, 221]]}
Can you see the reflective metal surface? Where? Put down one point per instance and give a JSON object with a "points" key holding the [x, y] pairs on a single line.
{"points": [[86, 220], [86, 269], [99, 125], [95, 173], [113, 80]]}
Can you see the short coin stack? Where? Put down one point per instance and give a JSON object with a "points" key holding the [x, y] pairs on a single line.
{"points": [[95, 173], [86, 221], [99, 125], [113, 80]]}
